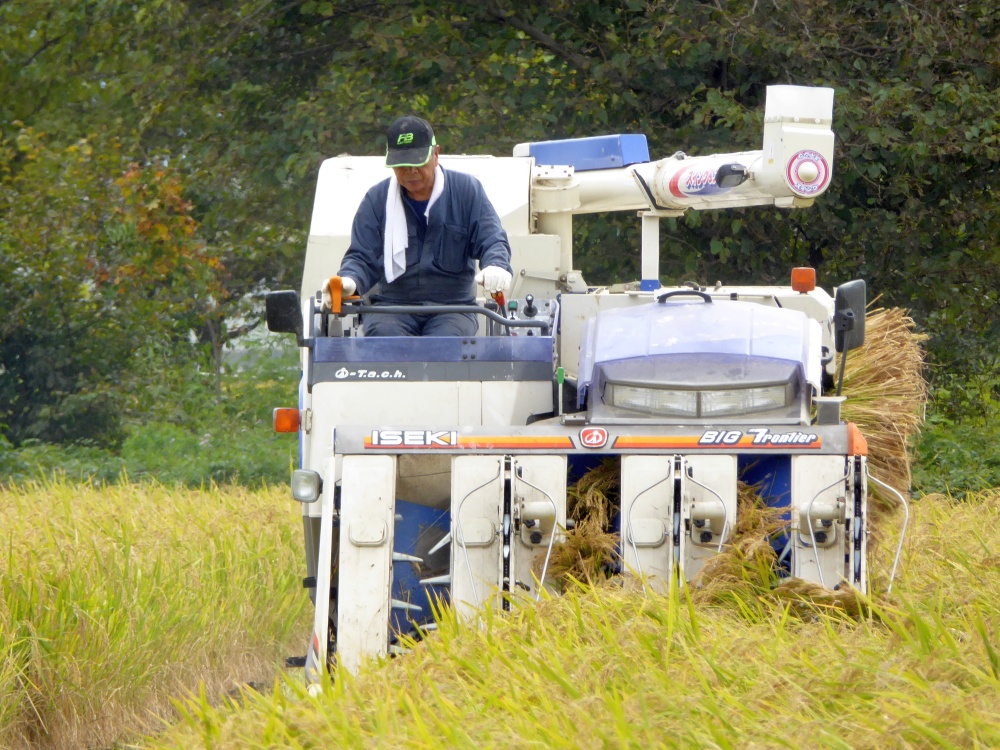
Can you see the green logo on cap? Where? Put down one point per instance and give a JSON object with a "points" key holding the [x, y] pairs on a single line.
{"points": [[404, 138]]}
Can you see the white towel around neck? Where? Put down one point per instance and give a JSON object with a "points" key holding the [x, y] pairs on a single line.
{"points": [[396, 237]]}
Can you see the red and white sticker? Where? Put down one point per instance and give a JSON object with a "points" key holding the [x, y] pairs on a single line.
{"points": [[808, 173], [593, 437]]}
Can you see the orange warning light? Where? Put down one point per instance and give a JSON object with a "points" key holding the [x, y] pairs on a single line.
{"points": [[803, 279], [286, 420]]}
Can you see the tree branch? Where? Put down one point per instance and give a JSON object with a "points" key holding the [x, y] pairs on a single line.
{"points": [[582, 62], [539, 36], [45, 45]]}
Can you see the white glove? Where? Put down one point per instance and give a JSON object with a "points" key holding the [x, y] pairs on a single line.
{"points": [[494, 279], [349, 287]]}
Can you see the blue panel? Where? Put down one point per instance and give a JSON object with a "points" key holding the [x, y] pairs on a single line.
{"points": [[419, 529], [600, 152], [389, 349], [773, 477], [510, 348], [434, 349], [579, 464]]}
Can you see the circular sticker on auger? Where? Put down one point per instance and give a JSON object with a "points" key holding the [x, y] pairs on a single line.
{"points": [[593, 437], [808, 173]]}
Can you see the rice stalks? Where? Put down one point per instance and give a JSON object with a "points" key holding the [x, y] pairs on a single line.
{"points": [[591, 499], [746, 566], [887, 395], [589, 551], [810, 600]]}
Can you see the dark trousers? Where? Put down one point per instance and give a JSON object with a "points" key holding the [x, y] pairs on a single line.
{"points": [[409, 324]]}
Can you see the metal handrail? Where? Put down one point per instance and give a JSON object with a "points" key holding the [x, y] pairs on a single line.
{"points": [[906, 521], [552, 533], [812, 531], [351, 309], [461, 535]]}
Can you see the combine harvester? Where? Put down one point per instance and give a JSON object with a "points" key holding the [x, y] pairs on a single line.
{"points": [[438, 467]]}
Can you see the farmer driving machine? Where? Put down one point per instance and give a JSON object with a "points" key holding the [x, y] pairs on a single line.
{"points": [[436, 469]]}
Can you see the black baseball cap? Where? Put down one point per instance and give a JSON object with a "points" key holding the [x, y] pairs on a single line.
{"points": [[410, 142]]}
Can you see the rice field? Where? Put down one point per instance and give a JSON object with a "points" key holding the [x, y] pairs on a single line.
{"points": [[115, 601], [131, 616], [613, 667]]}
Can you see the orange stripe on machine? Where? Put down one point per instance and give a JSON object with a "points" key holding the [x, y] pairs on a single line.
{"points": [[449, 439], [754, 437], [487, 442]]}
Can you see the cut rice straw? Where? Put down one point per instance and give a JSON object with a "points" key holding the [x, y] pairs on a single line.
{"points": [[886, 396]]}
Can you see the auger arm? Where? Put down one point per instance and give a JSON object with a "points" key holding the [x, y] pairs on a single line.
{"points": [[614, 173]]}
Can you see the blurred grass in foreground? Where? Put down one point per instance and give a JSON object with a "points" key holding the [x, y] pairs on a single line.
{"points": [[615, 668], [114, 600]]}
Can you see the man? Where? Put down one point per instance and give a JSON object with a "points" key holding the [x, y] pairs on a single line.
{"points": [[419, 235]]}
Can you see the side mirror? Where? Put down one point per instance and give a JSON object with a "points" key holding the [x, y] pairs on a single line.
{"points": [[849, 315], [284, 315], [731, 175]]}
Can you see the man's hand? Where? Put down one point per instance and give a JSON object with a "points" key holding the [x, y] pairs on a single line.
{"points": [[348, 285], [494, 279]]}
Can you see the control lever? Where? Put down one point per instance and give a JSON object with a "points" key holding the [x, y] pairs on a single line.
{"points": [[529, 310], [334, 294], [501, 301]]}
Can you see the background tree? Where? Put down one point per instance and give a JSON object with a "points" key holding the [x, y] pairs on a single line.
{"points": [[106, 267], [238, 102]]}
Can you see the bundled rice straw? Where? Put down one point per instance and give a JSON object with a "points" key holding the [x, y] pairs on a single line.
{"points": [[806, 599], [886, 395]]}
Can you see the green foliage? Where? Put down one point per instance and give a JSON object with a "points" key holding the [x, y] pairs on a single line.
{"points": [[77, 462], [239, 449], [242, 100], [183, 433], [957, 458], [176, 457], [111, 260], [959, 447]]}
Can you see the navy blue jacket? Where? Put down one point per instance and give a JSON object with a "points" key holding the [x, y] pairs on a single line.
{"points": [[463, 227]]}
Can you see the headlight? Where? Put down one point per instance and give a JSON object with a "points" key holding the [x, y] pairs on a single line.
{"points": [[743, 400], [669, 403], [306, 485], [698, 386], [697, 403]]}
